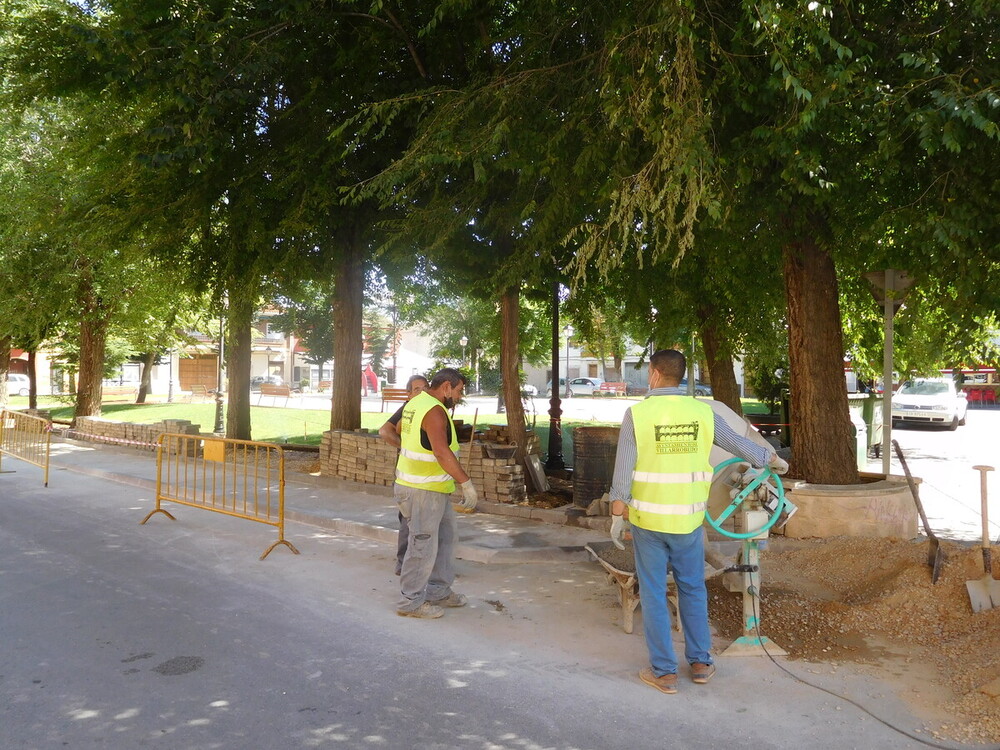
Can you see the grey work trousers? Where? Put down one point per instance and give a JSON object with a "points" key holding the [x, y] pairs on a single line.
{"points": [[428, 566]]}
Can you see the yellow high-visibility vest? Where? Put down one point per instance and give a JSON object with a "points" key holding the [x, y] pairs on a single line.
{"points": [[670, 484], [416, 466]]}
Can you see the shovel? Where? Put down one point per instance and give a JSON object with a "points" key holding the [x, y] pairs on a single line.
{"points": [[984, 593], [935, 555]]}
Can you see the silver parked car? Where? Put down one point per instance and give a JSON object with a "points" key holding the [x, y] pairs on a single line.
{"points": [[18, 384], [933, 401]]}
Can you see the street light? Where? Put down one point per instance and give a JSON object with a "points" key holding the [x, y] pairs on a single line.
{"points": [[220, 425], [479, 356], [568, 330], [463, 341], [889, 287], [170, 376]]}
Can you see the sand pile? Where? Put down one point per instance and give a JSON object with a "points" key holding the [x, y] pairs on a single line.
{"points": [[850, 599]]}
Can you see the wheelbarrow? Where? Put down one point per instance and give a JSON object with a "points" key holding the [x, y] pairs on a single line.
{"points": [[620, 567]]}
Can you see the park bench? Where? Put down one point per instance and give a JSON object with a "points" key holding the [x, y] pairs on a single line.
{"points": [[275, 392], [325, 385], [394, 395], [118, 392], [617, 389], [199, 392]]}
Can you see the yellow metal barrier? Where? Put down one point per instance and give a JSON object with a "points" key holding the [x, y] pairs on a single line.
{"points": [[27, 438], [240, 478]]}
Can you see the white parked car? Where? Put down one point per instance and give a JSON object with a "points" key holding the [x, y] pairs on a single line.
{"points": [[18, 384], [933, 401]]}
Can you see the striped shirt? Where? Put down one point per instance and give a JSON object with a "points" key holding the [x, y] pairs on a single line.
{"points": [[725, 438]]}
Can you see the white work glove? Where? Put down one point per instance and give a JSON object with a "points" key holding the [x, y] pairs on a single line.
{"points": [[470, 498], [618, 527], [778, 465]]}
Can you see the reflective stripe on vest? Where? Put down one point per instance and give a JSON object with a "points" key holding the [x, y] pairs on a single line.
{"points": [[670, 485], [417, 466]]}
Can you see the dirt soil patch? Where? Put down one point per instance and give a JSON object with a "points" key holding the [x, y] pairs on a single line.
{"points": [[305, 462], [868, 601]]}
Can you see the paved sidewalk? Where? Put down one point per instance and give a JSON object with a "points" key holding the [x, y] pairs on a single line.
{"points": [[367, 511]]}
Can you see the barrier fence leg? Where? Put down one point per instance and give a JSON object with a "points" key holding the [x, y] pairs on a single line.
{"points": [[159, 469]]}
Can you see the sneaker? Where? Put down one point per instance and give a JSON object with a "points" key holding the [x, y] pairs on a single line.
{"points": [[702, 673], [665, 683], [426, 611], [452, 600]]}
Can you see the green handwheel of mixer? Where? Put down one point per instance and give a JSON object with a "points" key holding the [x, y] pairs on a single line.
{"points": [[775, 505]]}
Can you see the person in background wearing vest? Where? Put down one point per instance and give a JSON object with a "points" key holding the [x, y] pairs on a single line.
{"points": [[663, 474], [389, 432], [426, 472]]}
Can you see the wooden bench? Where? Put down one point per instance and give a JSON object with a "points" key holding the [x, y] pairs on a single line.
{"points": [[394, 395], [325, 385], [618, 389], [200, 392], [275, 392], [119, 392]]}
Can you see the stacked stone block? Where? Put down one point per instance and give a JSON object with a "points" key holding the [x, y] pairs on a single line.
{"points": [[360, 456], [143, 437], [501, 434]]}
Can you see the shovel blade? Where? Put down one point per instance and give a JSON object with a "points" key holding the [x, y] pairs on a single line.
{"points": [[937, 563], [983, 594]]}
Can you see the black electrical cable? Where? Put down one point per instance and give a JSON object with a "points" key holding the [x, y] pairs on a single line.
{"points": [[921, 740]]}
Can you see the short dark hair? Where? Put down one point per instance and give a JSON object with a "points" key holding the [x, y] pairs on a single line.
{"points": [[448, 375], [413, 379], [670, 363]]}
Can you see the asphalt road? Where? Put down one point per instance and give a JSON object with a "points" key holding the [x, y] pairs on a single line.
{"points": [[950, 487], [174, 635]]}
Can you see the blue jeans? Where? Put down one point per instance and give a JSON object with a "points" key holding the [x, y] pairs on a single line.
{"points": [[685, 555], [428, 565]]}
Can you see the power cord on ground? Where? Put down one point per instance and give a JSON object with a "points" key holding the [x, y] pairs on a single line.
{"points": [[854, 703]]}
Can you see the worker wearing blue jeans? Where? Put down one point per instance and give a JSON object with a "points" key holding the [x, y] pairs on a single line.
{"points": [[663, 475]]}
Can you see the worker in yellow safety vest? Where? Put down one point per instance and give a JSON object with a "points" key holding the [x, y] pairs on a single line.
{"points": [[389, 432], [662, 476], [426, 473]]}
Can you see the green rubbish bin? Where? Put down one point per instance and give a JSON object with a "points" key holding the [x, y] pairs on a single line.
{"points": [[866, 409]]}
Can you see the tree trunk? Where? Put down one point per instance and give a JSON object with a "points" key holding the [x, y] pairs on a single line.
{"points": [[238, 348], [720, 367], [345, 411], [32, 379], [146, 378], [510, 300], [4, 369], [93, 338], [823, 446]]}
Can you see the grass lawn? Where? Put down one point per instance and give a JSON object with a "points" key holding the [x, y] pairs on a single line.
{"points": [[280, 425]]}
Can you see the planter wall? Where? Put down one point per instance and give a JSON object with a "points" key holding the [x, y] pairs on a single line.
{"points": [[882, 507]]}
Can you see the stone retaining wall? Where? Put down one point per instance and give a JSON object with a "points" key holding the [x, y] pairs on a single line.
{"points": [[360, 456], [141, 437]]}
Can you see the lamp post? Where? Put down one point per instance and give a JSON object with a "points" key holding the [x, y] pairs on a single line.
{"points": [[220, 425], [555, 460], [568, 330], [463, 341], [479, 356], [889, 287], [170, 376]]}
